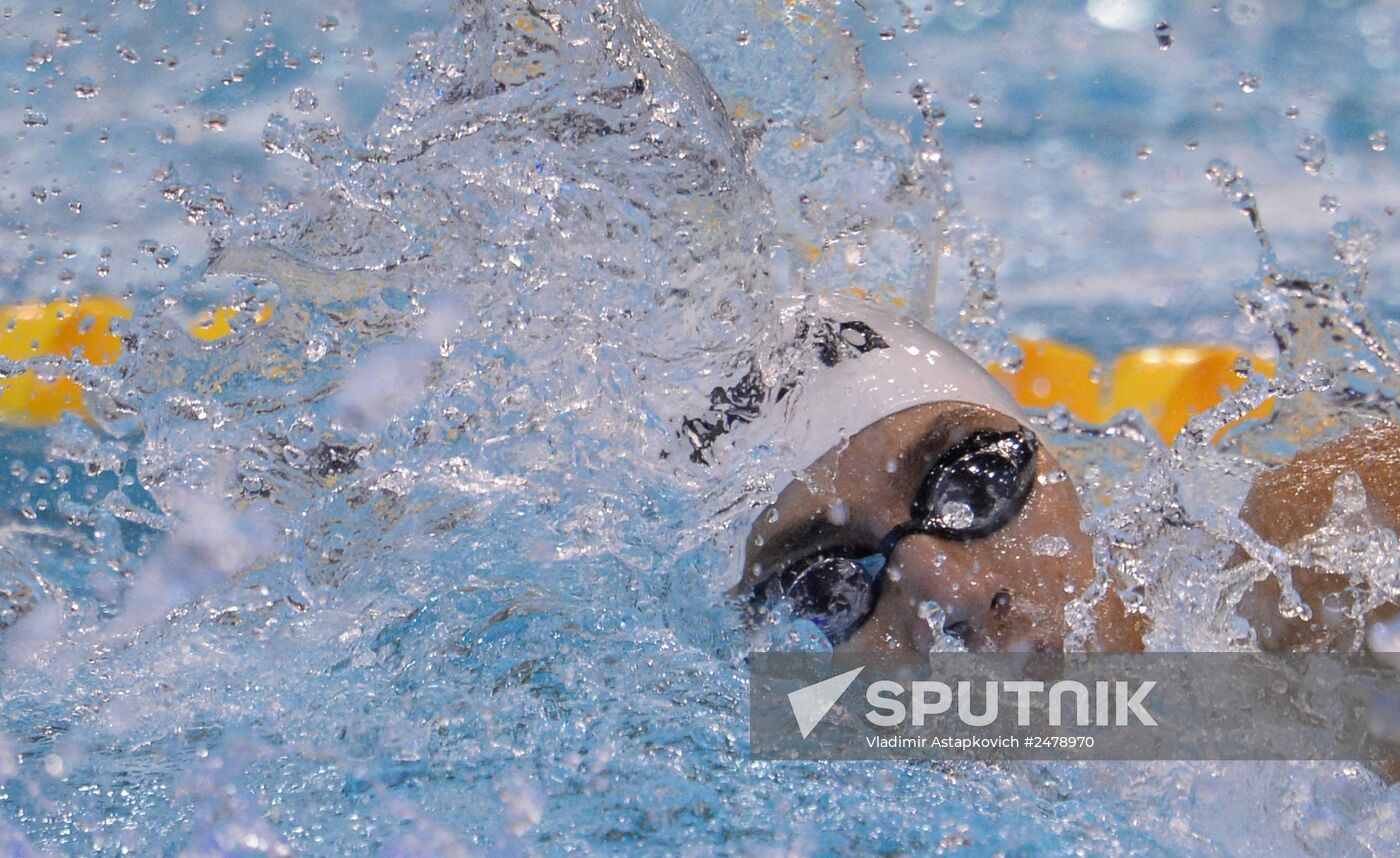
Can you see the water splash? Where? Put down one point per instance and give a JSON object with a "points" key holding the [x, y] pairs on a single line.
{"points": [[439, 584]]}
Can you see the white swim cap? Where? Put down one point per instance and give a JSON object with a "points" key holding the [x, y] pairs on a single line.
{"points": [[873, 362]]}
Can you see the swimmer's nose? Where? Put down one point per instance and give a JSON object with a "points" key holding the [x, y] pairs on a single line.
{"points": [[989, 597], [980, 588]]}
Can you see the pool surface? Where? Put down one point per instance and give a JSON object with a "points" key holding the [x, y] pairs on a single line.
{"points": [[412, 561]]}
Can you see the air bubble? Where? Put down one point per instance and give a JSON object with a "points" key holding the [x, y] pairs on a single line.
{"points": [[85, 88], [1248, 82], [128, 54], [215, 121], [34, 119], [743, 37], [328, 23], [1291, 112], [1379, 141], [1329, 203]]}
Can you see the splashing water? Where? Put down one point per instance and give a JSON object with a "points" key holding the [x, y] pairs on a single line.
{"points": [[419, 564]]}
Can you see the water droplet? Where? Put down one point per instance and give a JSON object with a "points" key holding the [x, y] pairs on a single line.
{"points": [[1329, 203], [1353, 240], [974, 101], [1379, 141], [1050, 546], [304, 99], [838, 513], [330, 22], [1311, 152], [1192, 145], [128, 54], [1163, 31], [39, 193], [743, 37], [1131, 196], [194, 8], [955, 514], [887, 35], [1249, 82], [54, 766], [1245, 13], [215, 121], [1144, 152], [1292, 112], [85, 88], [145, 5]]}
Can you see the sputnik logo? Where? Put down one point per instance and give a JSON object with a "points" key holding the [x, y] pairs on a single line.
{"points": [[810, 704]]}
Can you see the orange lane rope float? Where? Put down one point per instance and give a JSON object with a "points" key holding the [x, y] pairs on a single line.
{"points": [[1168, 384]]}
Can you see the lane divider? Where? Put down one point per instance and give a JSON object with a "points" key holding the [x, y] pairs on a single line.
{"points": [[1168, 384], [80, 330]]}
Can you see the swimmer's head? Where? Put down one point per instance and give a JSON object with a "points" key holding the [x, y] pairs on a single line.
{"points": [[922, 504]]}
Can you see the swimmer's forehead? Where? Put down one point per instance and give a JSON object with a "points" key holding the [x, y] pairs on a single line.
{"points": [[859, 474]]}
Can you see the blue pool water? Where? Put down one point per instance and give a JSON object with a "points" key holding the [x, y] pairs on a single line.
{"points": [[418, 567]]}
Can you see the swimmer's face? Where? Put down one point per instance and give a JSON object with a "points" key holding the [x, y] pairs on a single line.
{"points": [[1005, 590]]}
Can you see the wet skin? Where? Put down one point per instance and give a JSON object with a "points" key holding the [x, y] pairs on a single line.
{"points": [[1291, 501], [997, 592]]}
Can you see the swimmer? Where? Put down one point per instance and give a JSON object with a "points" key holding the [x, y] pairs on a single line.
{"points": [[917, 482]]}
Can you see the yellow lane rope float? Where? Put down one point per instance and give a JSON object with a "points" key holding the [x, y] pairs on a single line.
{"points": [[79, 330], [1168, 384]]}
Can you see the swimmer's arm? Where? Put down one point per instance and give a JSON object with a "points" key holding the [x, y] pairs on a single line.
{"points": [[1294, 500]]}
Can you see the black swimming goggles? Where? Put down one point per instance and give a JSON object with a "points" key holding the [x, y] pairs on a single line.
{"points": [[973, 490]]}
